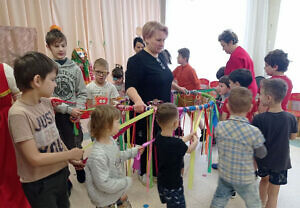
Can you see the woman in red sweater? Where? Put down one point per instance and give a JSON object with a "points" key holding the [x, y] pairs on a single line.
{"points": [[239, 58]]}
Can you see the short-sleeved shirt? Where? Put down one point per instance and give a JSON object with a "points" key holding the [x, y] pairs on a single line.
{"points": [[35, 122], [289, 90], [236, 140], [250, 114], [276, 128], [170, 153], [186, 77], [150, 76], [108, 90]]}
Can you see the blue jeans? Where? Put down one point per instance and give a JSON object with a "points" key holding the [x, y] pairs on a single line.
{"points": [[248, 192]]}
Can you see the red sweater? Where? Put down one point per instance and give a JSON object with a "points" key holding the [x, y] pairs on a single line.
{"points": [[186, 77], [289, 90], [240, 59]]}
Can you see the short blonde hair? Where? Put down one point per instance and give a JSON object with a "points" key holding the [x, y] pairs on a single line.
{"points": [[101, 62], [150, 27], [102, 119], [240, 100]]}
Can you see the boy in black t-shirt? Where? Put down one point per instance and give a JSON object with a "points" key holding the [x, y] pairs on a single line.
{"points": [[277, 127], [170, 151]]}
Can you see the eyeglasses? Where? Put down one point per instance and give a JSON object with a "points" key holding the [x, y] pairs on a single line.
{"points": [[116, 78], [100, 72]]}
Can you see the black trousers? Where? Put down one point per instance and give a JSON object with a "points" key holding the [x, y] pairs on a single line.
{"points": [[66, 131], [49, 192]]}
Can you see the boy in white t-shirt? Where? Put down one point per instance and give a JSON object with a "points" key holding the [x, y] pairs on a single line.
{"points": [[101, 91]]}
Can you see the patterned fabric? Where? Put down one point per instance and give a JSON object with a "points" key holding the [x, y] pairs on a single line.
{"points": [[236, 140], [174, 198], [80, 57], [15, 41], [278, 177]]}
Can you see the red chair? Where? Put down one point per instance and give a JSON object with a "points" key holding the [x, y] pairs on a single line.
{"points": [[294, 107], [204, 83], [214, 84]]}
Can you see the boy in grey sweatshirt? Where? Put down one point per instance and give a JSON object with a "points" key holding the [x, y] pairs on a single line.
{"points": [[70, 87]]}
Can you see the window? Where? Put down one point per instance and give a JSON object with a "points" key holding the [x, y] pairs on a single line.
{"points": [[287, 38], [196, 24]]}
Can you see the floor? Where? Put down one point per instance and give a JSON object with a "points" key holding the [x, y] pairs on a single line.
{"points": [[204, 185]]}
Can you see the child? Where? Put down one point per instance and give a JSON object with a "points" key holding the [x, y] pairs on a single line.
{"points": [[42, 157], [220, 72], [101, 91], [70, 87], [236, 170], [184, 74], [106, 183], [170, 152], [277, 127], [223, 90], [239, 78], [276, 63], [118, 78]]}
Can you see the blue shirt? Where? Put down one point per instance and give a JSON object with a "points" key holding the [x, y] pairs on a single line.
{"points": [[236, 140]]}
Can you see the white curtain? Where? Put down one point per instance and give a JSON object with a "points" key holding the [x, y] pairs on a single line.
{"points": [[256, 33], [105, 28], [287, 38], [197, 24]]}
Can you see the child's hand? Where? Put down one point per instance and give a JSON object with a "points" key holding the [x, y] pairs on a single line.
{"points": [[76, 154], [78, 164], [141, 150], [188, 137], [76, 112], [194, 139], [191, 135]]}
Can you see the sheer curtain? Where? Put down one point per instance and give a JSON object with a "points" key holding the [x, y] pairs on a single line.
{"points": [[256, 33], [287, 38], [105, 28], [197, 24]]}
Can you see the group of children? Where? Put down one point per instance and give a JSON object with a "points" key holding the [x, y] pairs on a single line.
{"points": [[254, 127], [49, 137]]}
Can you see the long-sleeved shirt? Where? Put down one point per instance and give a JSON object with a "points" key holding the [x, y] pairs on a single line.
{"points": [[70, 87], [105, 178], [240, 59]]}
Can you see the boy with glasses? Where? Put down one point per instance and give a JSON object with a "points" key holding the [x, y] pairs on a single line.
{"points": [[101, 91]]}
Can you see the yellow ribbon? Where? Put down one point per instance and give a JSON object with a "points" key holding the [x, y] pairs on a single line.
{"points": [[6, 92], [193, 154], [129, 171], [135, 119]]}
